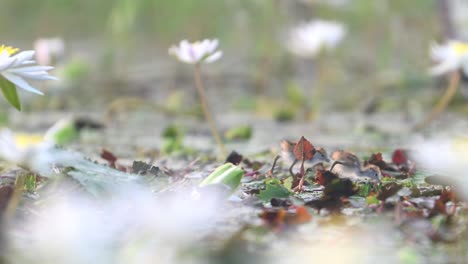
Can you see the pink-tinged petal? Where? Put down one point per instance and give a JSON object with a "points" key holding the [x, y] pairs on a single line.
{"points": [[214, 57], [21, 83]]}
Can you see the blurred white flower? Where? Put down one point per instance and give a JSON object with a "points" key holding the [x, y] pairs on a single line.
{"points": [[334, 3], [16, 67], [135, 227], [447, 157], [197, 52], [309, 39], [34, 154], [451, 56], [49, 50]]}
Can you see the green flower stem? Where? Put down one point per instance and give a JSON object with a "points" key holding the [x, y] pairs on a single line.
{"points": [[443, 102], [206, 111]]}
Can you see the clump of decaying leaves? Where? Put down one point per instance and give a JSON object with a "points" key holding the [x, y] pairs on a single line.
{"points": [[281, 218]]}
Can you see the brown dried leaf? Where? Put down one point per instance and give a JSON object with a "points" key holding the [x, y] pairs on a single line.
{"points": [[304, 150]]}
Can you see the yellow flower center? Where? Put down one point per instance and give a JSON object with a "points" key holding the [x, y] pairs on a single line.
{"points": [[8, 49], [28, 140], [460, 48]]}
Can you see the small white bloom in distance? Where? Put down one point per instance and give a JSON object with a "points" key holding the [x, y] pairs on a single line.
{"points": [[309, 39], [450, 56], [197, 52]]}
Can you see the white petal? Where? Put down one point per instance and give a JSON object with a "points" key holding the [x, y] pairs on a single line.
{"points": [[444, 67], [23, 56], [31, 69], [8, 148], [214, 57], [21, 83], [8, 62], [39, 76]]}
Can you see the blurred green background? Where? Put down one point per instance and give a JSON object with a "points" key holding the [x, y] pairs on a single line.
{"points": [[118, 49]]}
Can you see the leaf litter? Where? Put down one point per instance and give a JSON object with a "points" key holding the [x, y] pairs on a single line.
{"points": [[272, 205]]}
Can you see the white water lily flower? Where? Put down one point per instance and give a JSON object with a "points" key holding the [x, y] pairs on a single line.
{"points": [[451, 56], [17, 67], [197, 52], [309, 39]]}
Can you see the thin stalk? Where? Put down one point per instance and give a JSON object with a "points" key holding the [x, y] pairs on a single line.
{"points": [[15, 198], [298, 188], [206, 111], [443, 102], [318, 86]]}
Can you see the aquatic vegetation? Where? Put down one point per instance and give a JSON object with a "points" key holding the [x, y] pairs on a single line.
{"points": [[15, 68], [310, 39], [451, 58], [197, 53]]}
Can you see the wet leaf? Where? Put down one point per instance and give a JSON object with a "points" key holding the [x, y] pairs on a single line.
{"points": [[234, 158], [372, 199], [440, 203], [304, 150], [140, 167], [325, 177], [389, 190], [340, 188], [399, 157], [109, 157], [377, 160], [273, 189], [227, 174], [281, 218]]}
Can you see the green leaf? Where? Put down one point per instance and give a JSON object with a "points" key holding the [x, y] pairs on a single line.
{"points": [[364, 190], [227, 174], [10, 93], [63, 132], [273, 189]]}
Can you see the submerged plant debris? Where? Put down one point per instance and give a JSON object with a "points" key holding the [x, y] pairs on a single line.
{"points": [[204, 211]]}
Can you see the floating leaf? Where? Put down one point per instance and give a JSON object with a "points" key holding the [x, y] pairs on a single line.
{"points": [[273, 189], [10, 93], [304, 150]]}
